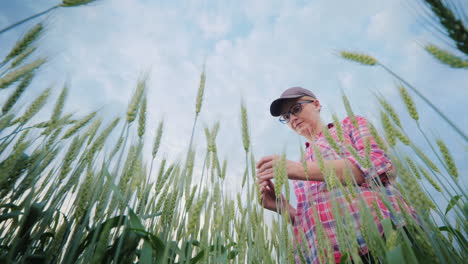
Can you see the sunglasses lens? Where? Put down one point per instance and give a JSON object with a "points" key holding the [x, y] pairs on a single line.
{"points": [[284, 118], [296, 109]]}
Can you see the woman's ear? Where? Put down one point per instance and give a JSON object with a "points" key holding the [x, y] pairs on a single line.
{"points": [[317, 105]]}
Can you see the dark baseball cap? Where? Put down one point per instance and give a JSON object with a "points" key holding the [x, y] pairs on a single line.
{"points": [[290, 93]]}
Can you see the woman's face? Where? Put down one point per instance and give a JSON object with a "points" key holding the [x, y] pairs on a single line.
{"points": [[304, 122]]}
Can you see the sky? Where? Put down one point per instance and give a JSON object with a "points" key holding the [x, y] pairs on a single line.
{"points": [[252, 51]]}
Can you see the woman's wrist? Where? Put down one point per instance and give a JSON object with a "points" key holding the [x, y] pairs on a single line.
{"points": [[297, 172]]}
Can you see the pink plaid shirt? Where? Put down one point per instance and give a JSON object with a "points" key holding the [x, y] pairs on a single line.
{"points": [[315, 193]]}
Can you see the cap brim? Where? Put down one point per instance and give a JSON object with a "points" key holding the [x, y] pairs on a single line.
{"points": [[275, 107]]}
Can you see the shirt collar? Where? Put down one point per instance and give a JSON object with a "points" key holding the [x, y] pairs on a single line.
{"points": [[329, 125]]}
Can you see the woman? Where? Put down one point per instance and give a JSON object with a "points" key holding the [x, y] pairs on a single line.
{"points": [[300, 110]]}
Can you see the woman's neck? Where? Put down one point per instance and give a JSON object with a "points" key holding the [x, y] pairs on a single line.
{"points": [[316, 130]]}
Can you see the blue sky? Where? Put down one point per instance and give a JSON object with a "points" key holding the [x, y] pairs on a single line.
{"points": [[253, 51]]}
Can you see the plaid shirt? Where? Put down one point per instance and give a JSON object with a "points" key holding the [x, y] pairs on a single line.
{"points": [[315, 193]]}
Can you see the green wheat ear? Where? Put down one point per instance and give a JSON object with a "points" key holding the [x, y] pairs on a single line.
{"points": [[24, 43], [201, 91], [142, 118], [136, 99], [72, 3], [245, 128], [452, 168], [22, 57], [359, 58], [446, 57], [157, 139], [410, 105], [13, 98], [389, 129], [35, 106], [349, 111], [18, 73]]}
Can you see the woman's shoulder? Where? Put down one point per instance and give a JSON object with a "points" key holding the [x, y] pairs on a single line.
{"points": [[348, 122]]}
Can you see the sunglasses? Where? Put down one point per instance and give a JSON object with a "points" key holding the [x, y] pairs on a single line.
{"points": [[294, 109]]}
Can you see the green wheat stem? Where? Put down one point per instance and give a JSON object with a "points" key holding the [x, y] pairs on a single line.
{"points": [[27, 19]]}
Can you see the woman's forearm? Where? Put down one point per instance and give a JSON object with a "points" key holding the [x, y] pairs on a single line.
{"points": [[340, 166]]}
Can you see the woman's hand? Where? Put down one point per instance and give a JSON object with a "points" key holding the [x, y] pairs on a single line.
{"points": [[265, 168], [268, 196]]}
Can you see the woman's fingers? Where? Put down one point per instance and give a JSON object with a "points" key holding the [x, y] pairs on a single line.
{"points": [[266, 159], [263, 160], [266, 175], [265, 166]]}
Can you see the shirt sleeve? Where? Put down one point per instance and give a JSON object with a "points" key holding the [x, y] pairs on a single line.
{"points": [[380, 162]]}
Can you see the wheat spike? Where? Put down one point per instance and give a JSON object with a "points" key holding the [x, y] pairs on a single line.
{"points": [[245, 128], [359, 57], [142, 119], [13, 98], [331, 140], [455, 28], [134, 103], [78, 125], [5, 121], [410, 105], [398, 134], [446, 57], [430, 179], [72, 3], [413, 167], [15, 75], [452, 168], [57, 112], [426, 160], [157, 140], [339, 128], [70, 157], [377, 137], [26, 41], [201, 90], [280, 175], [22, 57], [195, 213], [349, 111], [92, 130], [389, 109], [35, 106], [389, 130]]}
